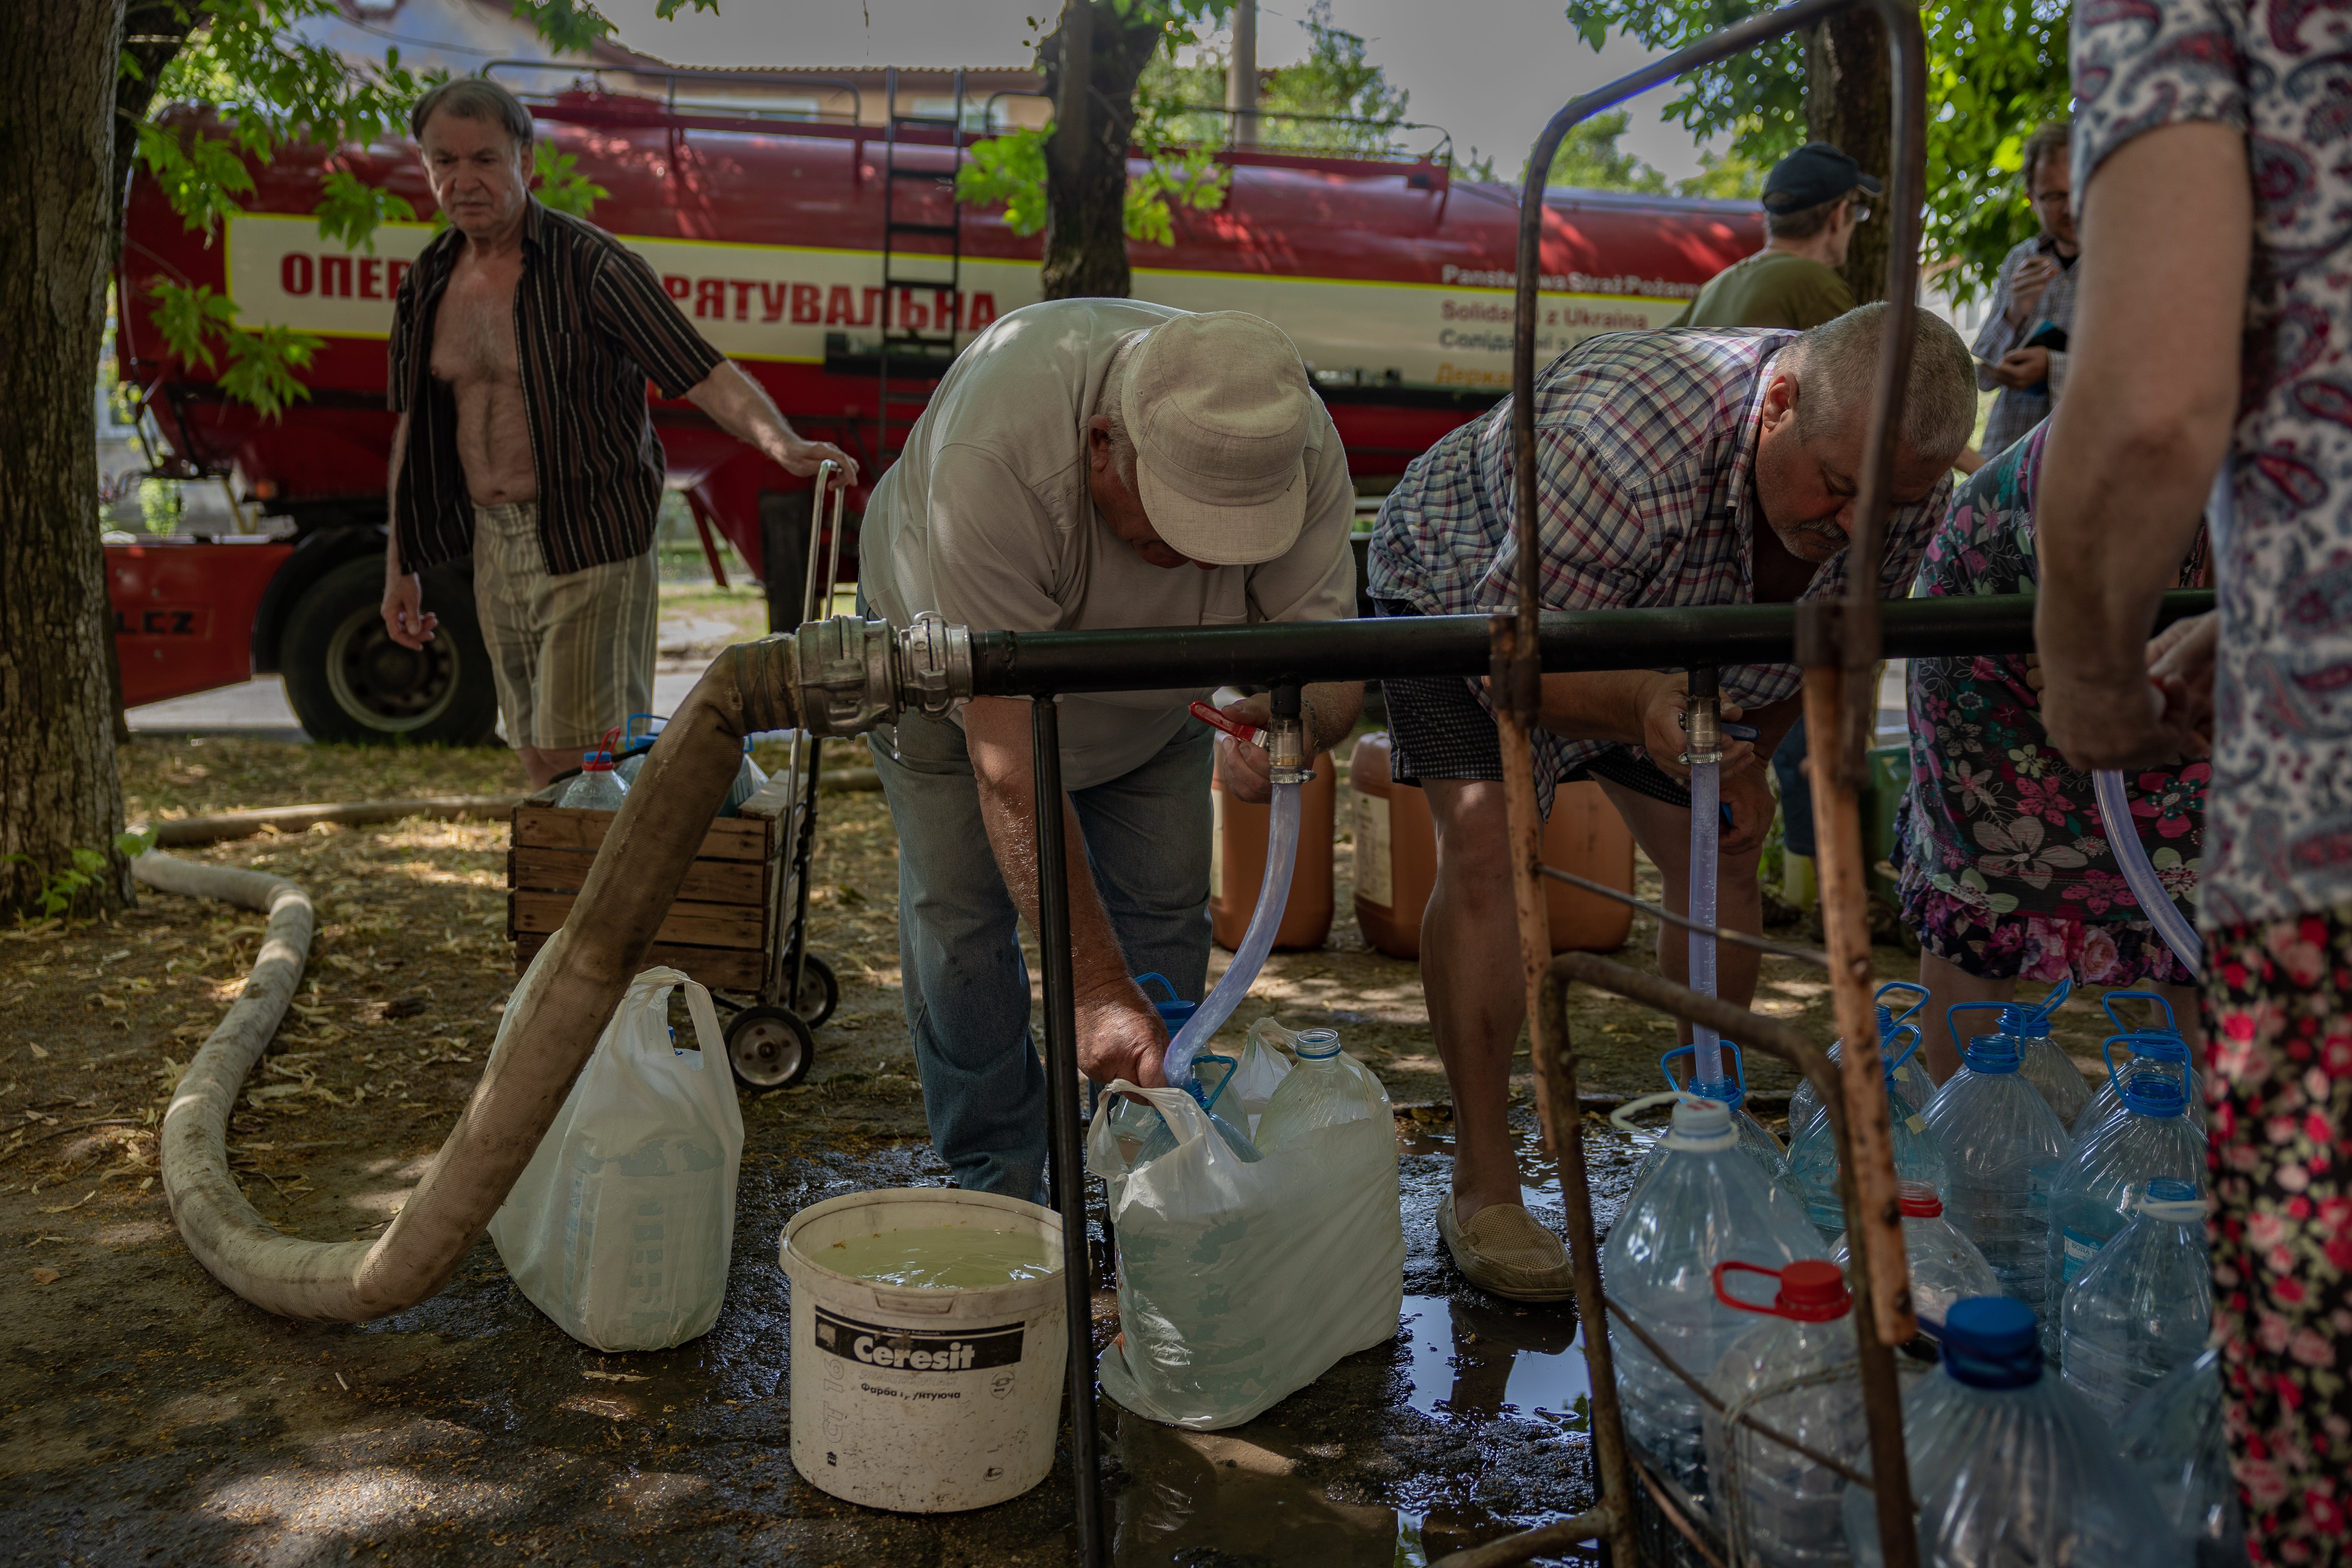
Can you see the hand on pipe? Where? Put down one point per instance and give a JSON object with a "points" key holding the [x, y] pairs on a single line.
{"points": [[1244, 765], [2155, 717], [1120, 1036], [1661, 731]]}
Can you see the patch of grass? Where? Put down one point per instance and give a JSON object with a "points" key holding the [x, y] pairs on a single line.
{"points": [[202, 775]]}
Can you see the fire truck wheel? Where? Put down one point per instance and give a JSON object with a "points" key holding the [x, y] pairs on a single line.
{"points": [[770, 1048], [349, 682]]}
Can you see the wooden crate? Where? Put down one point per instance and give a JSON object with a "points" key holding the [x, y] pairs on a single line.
{"points": [[721, 929]]}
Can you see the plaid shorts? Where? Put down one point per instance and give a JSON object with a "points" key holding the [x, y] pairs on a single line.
{"points": [[573, 655], [1439, 729]]}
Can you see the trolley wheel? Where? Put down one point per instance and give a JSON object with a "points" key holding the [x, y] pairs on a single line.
{"points": [[770, 1048], [819, 992]]}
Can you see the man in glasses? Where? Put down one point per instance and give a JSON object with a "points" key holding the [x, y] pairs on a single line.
{"points": [[2021, 349], [1813, 201]]}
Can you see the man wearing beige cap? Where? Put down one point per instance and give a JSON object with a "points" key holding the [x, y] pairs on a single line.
{"points": [[1088, 465]]}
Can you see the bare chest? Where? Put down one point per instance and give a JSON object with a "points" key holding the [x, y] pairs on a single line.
{"points": [[474, 331]]}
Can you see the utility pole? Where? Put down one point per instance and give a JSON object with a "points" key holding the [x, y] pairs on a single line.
{"points": [[1241, 75]]}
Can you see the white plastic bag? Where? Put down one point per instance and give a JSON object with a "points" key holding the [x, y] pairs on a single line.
{"points": [[1241, 1283], [1265, 1061], [621, 1225]]}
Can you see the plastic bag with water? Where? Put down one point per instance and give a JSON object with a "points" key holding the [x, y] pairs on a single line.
{"points": [[1707, 1203], [2003, 1149], [2144, 1307], [2008, 1468]]}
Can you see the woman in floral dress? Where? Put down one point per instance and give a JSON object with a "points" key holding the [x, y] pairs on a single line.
{"points": [[2006, 874]]}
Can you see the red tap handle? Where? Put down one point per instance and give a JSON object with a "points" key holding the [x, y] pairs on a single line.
{"points": [[1248, 734]]}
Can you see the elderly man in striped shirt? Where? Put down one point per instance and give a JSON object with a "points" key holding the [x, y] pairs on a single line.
{"points": [[1676, 468], [521, 344]]}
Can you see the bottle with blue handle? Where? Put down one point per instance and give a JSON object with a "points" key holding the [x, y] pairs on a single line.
{"points": [[1912, 1074], [2144, 1307], [2176, 1438], [1756, 1140], [2043, 1065], [1707, 1203], [2156, 1048], [2002, 1148], [2105, 1180], [2010, 1468], [1919, 1158]]}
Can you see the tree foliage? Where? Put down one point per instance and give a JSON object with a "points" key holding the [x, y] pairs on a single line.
{"points": [[1996, 69], [270, 89]]}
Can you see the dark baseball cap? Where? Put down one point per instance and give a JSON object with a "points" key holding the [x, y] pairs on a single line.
{"points": [[1813, 173]]}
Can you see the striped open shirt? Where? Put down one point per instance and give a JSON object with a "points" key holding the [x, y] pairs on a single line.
{"points": [[1647, 443], [593, 325]]}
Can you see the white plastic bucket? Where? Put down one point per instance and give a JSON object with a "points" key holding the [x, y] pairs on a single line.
{"points": [[922, 1400]]}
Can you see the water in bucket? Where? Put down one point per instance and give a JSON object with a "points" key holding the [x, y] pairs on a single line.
{"points": [[942, 1258]]}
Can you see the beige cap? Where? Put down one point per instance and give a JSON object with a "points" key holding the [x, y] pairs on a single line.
{"points": [[1219, 409]]}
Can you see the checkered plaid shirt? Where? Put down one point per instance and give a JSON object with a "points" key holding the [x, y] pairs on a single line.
{"points": [[1647, 441]]}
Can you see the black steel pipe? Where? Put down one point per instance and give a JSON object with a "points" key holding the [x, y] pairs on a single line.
{"points": [[1062, 1109], [1024, 664]]}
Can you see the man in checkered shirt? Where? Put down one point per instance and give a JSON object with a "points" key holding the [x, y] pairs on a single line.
{"points": [[1659, 452]]}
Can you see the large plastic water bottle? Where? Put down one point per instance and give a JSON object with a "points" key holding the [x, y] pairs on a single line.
{"points": [[1707, 1203], [749, 781], [1912, 1073], [2100, 1187], [2002, 1148], [2175, 1437], [2144, 1307], [1813, 1161], [1329, 1087], [1756, 1140], [1134, 1119], [2008, 1468], [2044, 1065], [2161, 1050], [1945, 1266], [1798, 1376], [596, 788]]}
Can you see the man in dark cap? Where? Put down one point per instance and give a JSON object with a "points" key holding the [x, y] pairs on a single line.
{"points": [[1813, 200]]}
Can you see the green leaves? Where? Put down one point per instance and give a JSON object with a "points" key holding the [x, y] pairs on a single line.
{"points": [[1010, 169], [263, 363], [562, 187], [350, 210], [1190, 176], [65, 886]]}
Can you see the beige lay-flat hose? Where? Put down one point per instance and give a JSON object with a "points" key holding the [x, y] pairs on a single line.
{"points": [[553, 1023]]}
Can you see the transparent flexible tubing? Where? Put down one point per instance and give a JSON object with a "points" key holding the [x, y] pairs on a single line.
{"points": [[1706, 832], [2123, 838], [1273, 894]]}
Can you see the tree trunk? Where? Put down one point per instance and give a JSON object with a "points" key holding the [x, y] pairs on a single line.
{"points": [[1086, 197], [1847, 86], [58, 790]]}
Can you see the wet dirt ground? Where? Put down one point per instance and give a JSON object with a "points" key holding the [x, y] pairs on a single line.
{"points": [[149, 1416]]}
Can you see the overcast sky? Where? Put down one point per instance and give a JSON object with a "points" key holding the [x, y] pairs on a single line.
{"points": [[1490, 71]]}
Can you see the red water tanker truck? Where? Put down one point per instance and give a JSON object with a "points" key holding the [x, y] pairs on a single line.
{"points": [[829, 261]]}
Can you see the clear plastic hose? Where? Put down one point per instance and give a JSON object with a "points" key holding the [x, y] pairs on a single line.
{"points": [[1706, 833], [1273, 894], [2123, 838]]}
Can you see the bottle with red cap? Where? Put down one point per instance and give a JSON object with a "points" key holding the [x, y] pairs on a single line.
{"points": [[1945, 1266], [597, 788], [1797, 1374], [2010, 1467]]}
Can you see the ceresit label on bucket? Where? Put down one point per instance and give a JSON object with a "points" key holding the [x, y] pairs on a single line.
{"points": [[874, 1344]]}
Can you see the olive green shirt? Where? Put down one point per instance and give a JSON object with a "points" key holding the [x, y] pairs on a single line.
{"points": [[1770, 289]]}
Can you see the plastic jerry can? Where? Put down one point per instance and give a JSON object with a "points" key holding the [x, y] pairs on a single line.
{"points": [[1396, 859], [1237, 863]]}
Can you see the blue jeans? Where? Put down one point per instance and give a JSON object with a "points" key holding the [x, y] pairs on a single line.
{"points": [[967, 986]]}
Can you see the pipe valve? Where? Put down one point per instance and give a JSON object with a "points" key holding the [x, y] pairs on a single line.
{"points": [[1702, 720], [855, 674], [1286, 740]]}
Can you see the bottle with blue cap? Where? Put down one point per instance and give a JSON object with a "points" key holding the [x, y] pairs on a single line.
{"points": [[1798, 1374], [2176, 1438], [1919, 1158], [2043, 1065], [1708, 1202], [2105, 1179], [2159, 1049], [1945, 1266], [2002, 1148], [2008, 1467], [1329, 1087], [1756, 1140], [2144, 1307], [1911, 1073]]}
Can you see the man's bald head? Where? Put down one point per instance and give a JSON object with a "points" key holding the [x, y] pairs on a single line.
{"points": [[1836, 364]]}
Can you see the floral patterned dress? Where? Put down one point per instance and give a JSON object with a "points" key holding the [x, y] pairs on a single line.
{"points": [[2007, 872]]}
